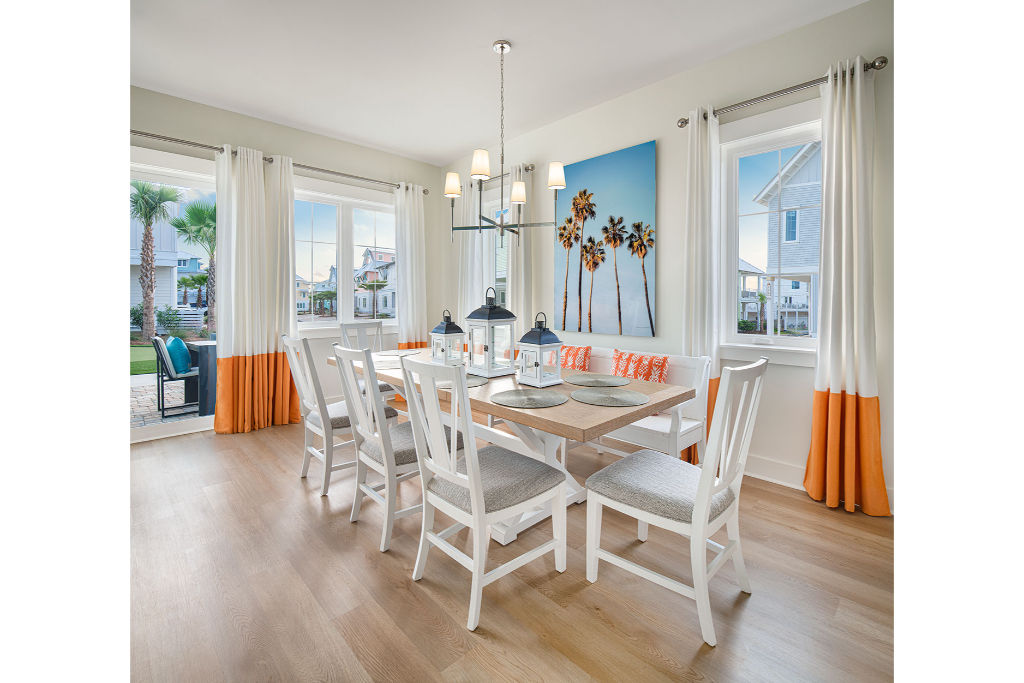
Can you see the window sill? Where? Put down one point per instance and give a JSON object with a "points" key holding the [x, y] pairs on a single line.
{"points": [[315, 331], [798, 356]]}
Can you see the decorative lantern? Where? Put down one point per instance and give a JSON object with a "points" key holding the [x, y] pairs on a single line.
{"points": [[492, 346], [446, 342], [534, 347]]}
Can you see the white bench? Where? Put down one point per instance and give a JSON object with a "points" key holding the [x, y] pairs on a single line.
{"points": [[674, 429]]}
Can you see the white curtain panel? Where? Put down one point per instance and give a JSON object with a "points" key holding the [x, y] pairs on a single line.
{"points": [[410, 237], [520, 274], [255, 290], [701, 245], [846, 339], [476, 253]]}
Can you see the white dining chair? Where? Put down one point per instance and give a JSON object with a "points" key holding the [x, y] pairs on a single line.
{"points": [[329, 421], [382, 446], [356, 335], [695, 502], [483, 487]]}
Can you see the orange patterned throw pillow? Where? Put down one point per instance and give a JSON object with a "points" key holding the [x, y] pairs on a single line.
{"points": [[639, 366], [576, 357]]}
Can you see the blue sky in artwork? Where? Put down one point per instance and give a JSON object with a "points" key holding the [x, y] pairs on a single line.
{"points": [[623, 184]]}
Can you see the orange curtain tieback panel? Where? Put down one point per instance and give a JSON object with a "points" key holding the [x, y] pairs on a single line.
{"points": [[254, 392], [844, 464]]}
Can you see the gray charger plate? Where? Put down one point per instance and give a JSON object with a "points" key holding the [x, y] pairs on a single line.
{"points": [[593, 380], [529, 398], [616, 398]]}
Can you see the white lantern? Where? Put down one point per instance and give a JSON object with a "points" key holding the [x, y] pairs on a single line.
{"points": [[492, 346], [446, 342], [534, 347]]}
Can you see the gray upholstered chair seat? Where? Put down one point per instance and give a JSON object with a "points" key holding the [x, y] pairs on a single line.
{"points": [[508, 478], [656, 483], [338, 414], [383, 387], [402, 444]]}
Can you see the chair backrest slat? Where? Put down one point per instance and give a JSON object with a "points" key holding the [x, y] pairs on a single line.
{"points": [[437, 456], [732, 426], [307, 381], [356, 335], [366, 409]]}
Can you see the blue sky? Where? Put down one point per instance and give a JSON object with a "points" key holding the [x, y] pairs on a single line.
{"points": [[623, 184]]}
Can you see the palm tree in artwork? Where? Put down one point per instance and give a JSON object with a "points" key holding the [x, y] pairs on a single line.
{"points": [[567, 237], [148, 205], [583, 208], [593, 257], [641, 239], [198, 227], [614, 236]]}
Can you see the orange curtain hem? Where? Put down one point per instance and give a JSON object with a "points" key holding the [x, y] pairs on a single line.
{"points": [[689, 454], [254, 392], [844, 462], [413, 345]]}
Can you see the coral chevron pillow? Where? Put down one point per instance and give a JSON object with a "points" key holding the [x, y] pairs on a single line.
{"points": [[639, 366], [576, 357]]}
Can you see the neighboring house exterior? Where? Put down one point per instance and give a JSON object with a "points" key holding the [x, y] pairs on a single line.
{"points": [[794, 247], [378, 265], [165, 242], [305, 290]]}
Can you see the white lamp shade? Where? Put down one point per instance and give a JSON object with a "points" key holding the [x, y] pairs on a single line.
{"points": [[451, 185], [556, 176], [481, 169], [518, 192]]}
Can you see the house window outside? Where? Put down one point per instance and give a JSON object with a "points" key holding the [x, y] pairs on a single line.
{"points": [[316, 261], [791, 226], [374, 263], [773, 184]]}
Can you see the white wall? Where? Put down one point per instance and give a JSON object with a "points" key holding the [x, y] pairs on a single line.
{"points": [[780, 445]]}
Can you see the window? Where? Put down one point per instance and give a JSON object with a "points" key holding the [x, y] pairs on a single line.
{"points": [[316, 260], [331, 230], [772, 183], [791, 226], [373, 266], [183, 263]]}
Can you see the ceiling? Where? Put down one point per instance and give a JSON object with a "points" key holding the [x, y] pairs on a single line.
{"points": [[418, 78]]}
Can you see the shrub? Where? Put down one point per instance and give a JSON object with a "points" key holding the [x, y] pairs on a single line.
{"points": [[169, 318], [136, 313], [204, 333], [747, 326]]}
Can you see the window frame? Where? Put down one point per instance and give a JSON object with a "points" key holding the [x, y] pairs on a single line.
{"points": [[796, 227], [346, 198], [781, 128]]}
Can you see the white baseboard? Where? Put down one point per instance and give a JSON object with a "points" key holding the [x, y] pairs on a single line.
{"points": [[775, 471], [166, 429]]}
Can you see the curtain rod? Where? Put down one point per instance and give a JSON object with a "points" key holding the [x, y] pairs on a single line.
{"points": [[269, 160], [879, 63]]}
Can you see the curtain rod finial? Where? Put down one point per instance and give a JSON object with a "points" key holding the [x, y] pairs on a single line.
{"points": [[682, 122], [880, 63]]}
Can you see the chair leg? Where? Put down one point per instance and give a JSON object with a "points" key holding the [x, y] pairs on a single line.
{"points": [[307, 443], [558, 515], [328, 460], [593, 537], [357, 501], [481, 537], [699, 563], [641, 530], [421, 554], [390, 502], [732, 528], [598, 445]]}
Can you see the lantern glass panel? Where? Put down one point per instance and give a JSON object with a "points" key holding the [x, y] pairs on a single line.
{"points": [[477, 342], [437, 350], [502, 345]]}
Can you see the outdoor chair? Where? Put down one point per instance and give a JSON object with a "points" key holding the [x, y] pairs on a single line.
{"points": [[165, 373]]}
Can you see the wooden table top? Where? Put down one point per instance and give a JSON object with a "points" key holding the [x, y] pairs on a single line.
{"points": [[572, 420]]}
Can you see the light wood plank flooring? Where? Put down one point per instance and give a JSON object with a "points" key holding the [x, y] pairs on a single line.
{"points": [[241, 571]]}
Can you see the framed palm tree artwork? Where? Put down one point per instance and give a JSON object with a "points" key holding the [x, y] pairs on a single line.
{"points": [[605, 243]]}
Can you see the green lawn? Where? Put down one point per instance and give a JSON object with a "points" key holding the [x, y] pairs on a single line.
{"points": [[143, 360]]}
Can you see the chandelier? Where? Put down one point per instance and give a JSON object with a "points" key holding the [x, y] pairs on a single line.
{"points": [[480, 170]]}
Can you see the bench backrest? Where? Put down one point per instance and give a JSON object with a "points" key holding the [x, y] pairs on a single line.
{"points": [[687, 371]]}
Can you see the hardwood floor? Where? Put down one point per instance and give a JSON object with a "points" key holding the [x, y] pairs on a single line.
{"points": [[241, 571]]}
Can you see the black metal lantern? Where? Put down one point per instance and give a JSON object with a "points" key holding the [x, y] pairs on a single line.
{"points": [[533, 348], [447, 341], [492, 346]]}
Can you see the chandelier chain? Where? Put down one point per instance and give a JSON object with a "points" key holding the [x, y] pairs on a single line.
{"points": [[502, 96]]}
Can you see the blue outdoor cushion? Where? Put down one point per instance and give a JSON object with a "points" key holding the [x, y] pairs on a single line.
{"points": [[179, 354]]}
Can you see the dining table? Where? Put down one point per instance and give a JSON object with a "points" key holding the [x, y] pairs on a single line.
{"points": [[544, 431]]}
